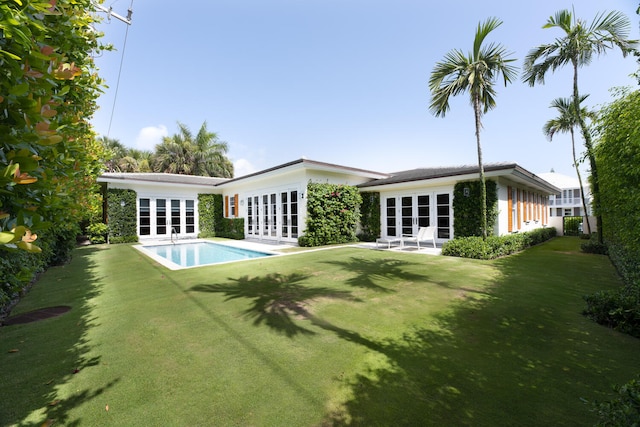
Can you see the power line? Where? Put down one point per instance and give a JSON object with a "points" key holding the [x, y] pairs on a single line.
{"points": [[126, 20]]}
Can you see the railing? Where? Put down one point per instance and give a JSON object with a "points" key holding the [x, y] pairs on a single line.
{"points": [[173, 231]]}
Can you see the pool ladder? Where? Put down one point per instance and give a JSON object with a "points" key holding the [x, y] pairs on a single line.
{"points": [[173, 231]]}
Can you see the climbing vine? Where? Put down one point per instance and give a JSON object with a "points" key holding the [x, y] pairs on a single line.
{"points": [[332, 214]]}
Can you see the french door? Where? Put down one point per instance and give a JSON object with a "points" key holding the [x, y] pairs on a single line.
{"points": [[405, 214], [273, 215]]}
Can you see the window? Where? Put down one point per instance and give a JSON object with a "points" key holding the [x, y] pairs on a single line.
{"points": [[190, 223], [145, 217], [161, 216], [175, 216], [232, 206], [391, 216], [443, 217]]}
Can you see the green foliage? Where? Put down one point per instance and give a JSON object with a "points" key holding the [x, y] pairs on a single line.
{"points": [[207, 211], [212, 221], [97, 232], [122, 221], [332, 214], [618, 309], [48, 155], [467, 211], [231, 228], [495, 246], [624, 410], [571, 225], [617, 155], [369, 217], [594, 247]]}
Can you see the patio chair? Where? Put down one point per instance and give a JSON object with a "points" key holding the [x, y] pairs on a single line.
{"points": [[424, 234]]}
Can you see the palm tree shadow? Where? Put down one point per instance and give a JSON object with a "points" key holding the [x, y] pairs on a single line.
{"points": [[277, 300], [369, 272]]}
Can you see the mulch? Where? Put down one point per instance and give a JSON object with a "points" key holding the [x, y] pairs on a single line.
{"points": [[35, 315]]}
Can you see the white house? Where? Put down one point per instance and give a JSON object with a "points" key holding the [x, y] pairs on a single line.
{"points": [[569, 201], [273, 205]]}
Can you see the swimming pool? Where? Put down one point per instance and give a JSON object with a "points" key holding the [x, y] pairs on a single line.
{"points": [[196, 254]]}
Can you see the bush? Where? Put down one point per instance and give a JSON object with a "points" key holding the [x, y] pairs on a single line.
{"points": [[495, 246], [617, 309], [594, 247], [623, 410], [97, 232]]}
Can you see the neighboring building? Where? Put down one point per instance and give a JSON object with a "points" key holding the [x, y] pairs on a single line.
{"points": [[273, 205], [569, 201]]}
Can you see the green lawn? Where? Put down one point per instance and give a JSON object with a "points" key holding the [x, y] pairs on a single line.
{"points": [[345, 336]]}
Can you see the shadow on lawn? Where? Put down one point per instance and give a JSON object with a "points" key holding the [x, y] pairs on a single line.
{"points": [[513, 353], [523, 356], [61, 340]]}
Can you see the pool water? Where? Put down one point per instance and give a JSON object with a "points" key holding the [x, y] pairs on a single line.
{"points": [[201, 253]]}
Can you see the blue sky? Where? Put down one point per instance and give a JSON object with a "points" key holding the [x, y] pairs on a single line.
{"points": [[339, 81]]}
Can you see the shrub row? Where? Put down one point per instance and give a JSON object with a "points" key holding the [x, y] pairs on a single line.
{"points": [[618, 309], [496, 246], [19, 268]]}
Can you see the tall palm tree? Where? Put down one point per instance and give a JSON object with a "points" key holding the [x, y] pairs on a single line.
{"points": [[567, 121], [577, 48], [202, 155], [476, 74]]}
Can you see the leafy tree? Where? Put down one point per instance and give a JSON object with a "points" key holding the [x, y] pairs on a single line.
{"points": [[577, 48], [567, 121], [202, 154], [476, 74], [48, 92]]}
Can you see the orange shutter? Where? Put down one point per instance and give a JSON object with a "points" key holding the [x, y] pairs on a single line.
{"points": [[520, 194], [509, 210], [226, 206], [237, 205]]}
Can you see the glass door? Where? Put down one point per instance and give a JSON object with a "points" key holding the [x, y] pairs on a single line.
{"points": [[161, 217]]}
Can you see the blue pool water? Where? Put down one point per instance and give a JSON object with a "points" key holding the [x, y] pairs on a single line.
{"points": [[202, 253]]}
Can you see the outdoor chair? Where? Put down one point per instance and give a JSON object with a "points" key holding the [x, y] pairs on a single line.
{"points": [[424, 234]]}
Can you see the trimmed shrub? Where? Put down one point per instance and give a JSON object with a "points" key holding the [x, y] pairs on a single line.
{"points": [[123, 226], [495, 246], [207, 211], [594, 247], [617, 309]]}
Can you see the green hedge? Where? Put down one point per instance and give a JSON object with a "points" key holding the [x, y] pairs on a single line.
{"points": [[332, 214], [212, 221], [369, 217], [207, 211], [122, 220], [466, 202], [495, 246]]}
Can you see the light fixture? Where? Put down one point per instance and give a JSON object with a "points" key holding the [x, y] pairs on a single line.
{"points": [[302, 195], [122, 203]]}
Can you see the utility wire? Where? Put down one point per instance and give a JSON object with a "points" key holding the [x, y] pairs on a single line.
{"points": [[124, 47]]}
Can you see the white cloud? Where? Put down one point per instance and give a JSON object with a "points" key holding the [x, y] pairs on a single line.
{"points": [[150, 136], [242, 167]]}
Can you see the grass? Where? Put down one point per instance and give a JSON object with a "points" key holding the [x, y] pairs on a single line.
{"points": [[345, 336]]}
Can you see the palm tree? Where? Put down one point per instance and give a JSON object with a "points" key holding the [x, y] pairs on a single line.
{"points": [[474, 73], [578, 47], [567, 121], [115, 151], [203, 155]]}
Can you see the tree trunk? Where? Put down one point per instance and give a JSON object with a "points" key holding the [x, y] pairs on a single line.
{"points": [[575, 163], [483, 187], [595, 189]]}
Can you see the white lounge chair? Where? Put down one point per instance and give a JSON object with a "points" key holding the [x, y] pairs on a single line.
{"points": [[388, 241], [424, 234]]}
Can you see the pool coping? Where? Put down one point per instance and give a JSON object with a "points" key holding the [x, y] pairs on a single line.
{"points": [[252, 246]]}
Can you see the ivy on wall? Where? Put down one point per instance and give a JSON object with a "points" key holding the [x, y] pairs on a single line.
{"points": [[369, 217], [206, 211], [122, 220], [466, 208], [212, 221], [332, 214]]}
